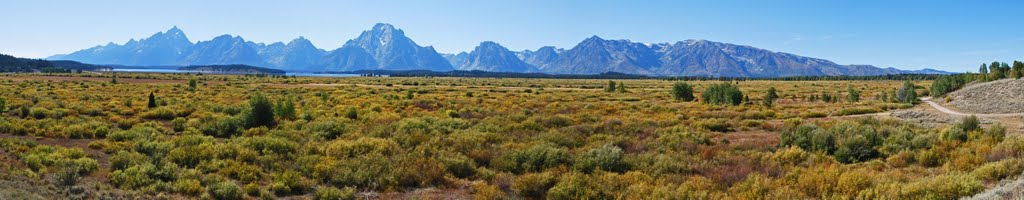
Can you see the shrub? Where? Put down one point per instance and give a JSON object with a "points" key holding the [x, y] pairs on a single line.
{"points": [[124, 159], [269, 144], [907, 93], [575, 186], [134, 177], [333, 193], [289, 182], [178, 124], [682, 91], [225, 191], [533, 184], [190, 187], [855, 149], [351, 113], [607, 157], [723, 94], [326, 129], [361, 146], [533, 159], [999, 170], [968, 123], [714, 124], [856, 111], [261, 112]]}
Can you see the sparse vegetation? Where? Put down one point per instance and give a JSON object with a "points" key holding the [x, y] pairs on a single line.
{"points": [[259, 137]]}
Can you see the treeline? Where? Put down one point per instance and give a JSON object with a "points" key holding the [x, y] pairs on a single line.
{"points": [[617, 75], [233, 69], [10, 63], [897, 77], [987, 72], [487, 74]]}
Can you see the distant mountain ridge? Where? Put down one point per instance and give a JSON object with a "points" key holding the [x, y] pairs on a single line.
{"points": [[385, 47]]}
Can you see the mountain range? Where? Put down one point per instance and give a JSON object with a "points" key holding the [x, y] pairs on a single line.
{"points": [[385, 47]]}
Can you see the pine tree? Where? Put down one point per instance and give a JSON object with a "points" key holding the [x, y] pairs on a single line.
{"points": [[610, 87], [622, 87], [769, 98], [983, 72], [1017, 71], [152, 100], [261, 111], [192, 84], [907, 93]]}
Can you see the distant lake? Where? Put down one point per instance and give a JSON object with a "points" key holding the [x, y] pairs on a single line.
{"points": [[159, 70]]}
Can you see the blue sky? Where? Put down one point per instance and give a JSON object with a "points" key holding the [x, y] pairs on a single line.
{"points": [[948, 35]]}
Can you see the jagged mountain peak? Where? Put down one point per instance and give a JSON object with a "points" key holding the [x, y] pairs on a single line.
{"points": [[386, 47], [490, 56]]}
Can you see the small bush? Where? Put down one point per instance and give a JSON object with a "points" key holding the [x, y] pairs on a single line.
{"points": [[332, 193], [533, 184], [225, 191], [607, 158]]}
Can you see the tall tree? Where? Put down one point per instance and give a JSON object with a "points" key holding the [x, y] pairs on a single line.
{"points": [[983, 71], [995, 71], [1017, 71], [907, 93]]}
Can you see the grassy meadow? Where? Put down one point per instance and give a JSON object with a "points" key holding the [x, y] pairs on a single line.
{"points": [[211, 137]]}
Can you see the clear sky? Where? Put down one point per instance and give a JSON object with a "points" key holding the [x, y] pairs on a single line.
{"points": [[948, 35]]}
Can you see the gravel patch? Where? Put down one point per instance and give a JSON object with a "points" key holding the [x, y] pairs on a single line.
{"points": [[926, 119], [929, 119], [1002, 96], [1007, 189]]}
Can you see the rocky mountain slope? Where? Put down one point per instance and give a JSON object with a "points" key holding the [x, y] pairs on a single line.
{"points": [[385, 47]]}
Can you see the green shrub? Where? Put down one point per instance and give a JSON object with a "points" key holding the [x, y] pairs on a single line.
{"points": [[289, 182], [225, 191], [682, 91], [857, 111], [333, 193], [533, 185], [533, 159], [326, 129], [855, 149], [607, 158], [134, 177], [124, 159], [190, 187], [723, 94], [968, 123], [261, 112], [714, 124], [575, 186], [995, 171], [178, 124]]}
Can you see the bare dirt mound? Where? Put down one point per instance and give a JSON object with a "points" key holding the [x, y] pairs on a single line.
{"points": [[1002, 96]]}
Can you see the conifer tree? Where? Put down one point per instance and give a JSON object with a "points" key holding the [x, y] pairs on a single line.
{"points": [[152, 100]]}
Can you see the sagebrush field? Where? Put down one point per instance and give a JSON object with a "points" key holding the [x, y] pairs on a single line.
{"points": [[235, 136]]}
